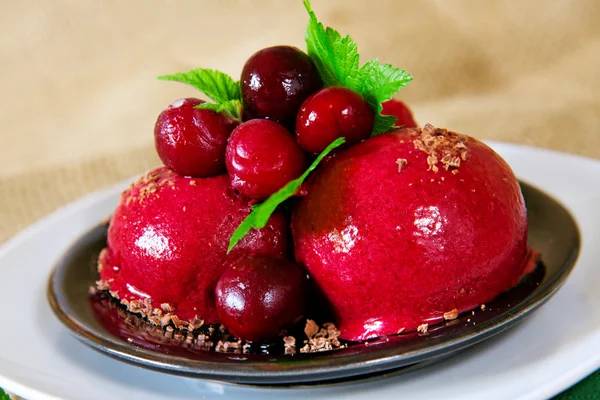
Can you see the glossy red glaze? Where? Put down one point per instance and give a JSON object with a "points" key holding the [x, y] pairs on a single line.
{"points": [[261, 157], [168, 238], [192, 141], [401, 111], [331, 113], [393, 244], [259, 298], [276, 80]]}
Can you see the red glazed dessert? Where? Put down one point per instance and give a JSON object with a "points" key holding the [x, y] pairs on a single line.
{"points": [[167, 245], [409, 228]]}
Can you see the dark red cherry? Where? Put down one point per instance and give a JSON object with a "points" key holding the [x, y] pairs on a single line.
{"points": [[191, 141], [276, 80], [258, 298], [401, 111], [261, 157], [331, 113]]}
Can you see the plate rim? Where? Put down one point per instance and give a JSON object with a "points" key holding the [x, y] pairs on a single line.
{"points": [[250, 372]]}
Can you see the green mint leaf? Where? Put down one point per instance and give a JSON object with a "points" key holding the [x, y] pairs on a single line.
{"points": [[338, 62], [336, 58], [261, 213], [216, 85], [383, 124], [231, 108], [379, 82], [3, 395]]}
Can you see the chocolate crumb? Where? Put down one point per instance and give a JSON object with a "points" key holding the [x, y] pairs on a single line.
{"points": [[289, 344], [102, 285], [442, 146], [320, 339], [196, 323], [401, 163], [226, 346], [482, 307], [453, 314], [166, 307], [246, 348], [311, 328], [176, 321]]}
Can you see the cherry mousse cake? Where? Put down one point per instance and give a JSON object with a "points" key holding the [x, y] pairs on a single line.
{"points": [[303, 187]]}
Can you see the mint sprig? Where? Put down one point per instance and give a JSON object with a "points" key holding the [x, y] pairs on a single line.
{"points": [[336, 58], [217, 86], [261, 213], [3, 395], [337, 61]]}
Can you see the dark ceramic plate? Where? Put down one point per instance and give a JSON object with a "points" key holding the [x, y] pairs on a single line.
{"points": [[99, 323]]}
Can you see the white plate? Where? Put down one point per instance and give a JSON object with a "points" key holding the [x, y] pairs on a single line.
{"points": [[548, 352]]}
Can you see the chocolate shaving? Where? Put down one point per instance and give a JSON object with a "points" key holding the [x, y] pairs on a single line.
{"points": [[289, 344], [423, 328], [225, 346], [442, 146], [102, 285], [320, 339], [453, 314], [166, 307], [401, 163], [246, 348], [162, 316], [311, 328]]}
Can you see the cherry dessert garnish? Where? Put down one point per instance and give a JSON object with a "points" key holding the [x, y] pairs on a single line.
{"points": [[331, 113], [259, 298], [276, 80], [401, 111], [192, 141], [261, 157]]}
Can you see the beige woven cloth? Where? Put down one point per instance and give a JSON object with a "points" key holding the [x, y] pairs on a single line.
{"points": [[79, 94]]}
